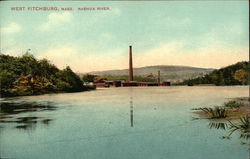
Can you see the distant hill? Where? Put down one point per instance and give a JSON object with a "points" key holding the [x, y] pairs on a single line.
{"points": [[236, 74], [167, 72]]}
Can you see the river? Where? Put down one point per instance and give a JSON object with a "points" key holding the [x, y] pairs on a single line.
{"points": [[118, 123]]}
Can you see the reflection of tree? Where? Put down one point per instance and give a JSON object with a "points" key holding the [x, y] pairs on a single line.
{"points": [[46, 121], [1, 130], [9, 108], [29, 126], [27, 122]]}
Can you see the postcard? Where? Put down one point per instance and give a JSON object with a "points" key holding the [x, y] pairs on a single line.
{"points": [[124, 79]]}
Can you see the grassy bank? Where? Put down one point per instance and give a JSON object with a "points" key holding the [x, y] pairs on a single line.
{"points": [[233, 109], [233, 115]]}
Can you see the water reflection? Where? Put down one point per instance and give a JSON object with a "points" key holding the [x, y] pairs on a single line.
{"points": [[22, 114], [221, 126], [242, 126], [131, 112], [217, 125], [26, 127], [46, 121], [8, 108]]}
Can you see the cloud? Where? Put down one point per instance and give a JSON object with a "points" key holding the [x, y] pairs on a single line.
{"points": [[174, 53], [56, 19], [11, 28], [173, 22], [167, 53], [107, 37], [224, 33], [60, 56], [80, 60]]}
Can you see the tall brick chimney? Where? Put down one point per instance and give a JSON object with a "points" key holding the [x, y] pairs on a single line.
{"points": [[130, 64]]}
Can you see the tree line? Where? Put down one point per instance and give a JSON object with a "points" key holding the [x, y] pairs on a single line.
{"points": [[26, 75], [92, 78], [236, 74]]}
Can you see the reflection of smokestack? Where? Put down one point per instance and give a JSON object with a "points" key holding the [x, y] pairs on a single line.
{"points": [[130, 64], [131, 112], [159, 77]]}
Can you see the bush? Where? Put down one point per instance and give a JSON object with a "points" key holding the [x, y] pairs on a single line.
{"points": [[233, 104]]}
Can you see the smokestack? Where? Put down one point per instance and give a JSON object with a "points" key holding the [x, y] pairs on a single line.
{"points": [[159, 77], [130, 64]]}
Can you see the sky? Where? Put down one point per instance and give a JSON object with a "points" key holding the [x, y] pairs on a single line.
{"points": [[208, 34]]}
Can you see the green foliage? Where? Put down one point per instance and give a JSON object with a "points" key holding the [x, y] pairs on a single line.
{"points": [[88, 78], [68, 76], [125, 78], [62, 85], [241, 75], [6, 79], [111, 78], [26, 75], [236, 74], [233, 104], [144, 79]]}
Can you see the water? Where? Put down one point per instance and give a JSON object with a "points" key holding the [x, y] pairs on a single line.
{"points": [[118, 123]]}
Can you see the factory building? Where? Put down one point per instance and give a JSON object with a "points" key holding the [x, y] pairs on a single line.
{"points": [[131, 83]]}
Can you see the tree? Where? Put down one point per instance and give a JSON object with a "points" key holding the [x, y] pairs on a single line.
{"points": [[241, 75], [68, 76], [26, 75], [236, 74], [88, 78]]}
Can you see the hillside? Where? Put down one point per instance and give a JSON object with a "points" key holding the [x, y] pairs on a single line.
{"points": [[167, 72], [236, 74]]}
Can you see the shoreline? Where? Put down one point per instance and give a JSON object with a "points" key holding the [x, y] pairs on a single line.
{"points": [[90, 88], [232, 113], [87, 88]]}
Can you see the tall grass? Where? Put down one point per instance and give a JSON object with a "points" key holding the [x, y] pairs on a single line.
{"points": [[216, 112], [243, 126]]}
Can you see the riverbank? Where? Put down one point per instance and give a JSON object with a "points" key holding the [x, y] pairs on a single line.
{"points": [[32, 93], [233, 109]]}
